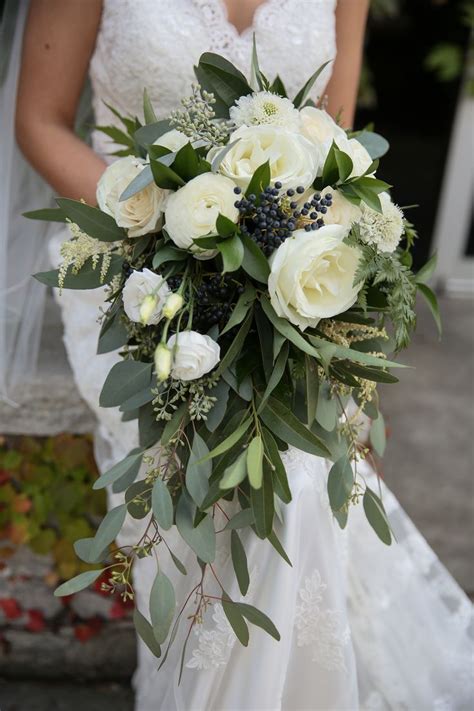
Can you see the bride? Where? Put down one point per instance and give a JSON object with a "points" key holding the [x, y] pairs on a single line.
{"points": [[362, 626]]}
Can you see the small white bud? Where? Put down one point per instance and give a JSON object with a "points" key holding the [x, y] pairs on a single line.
{"points": [[162, 362], [173, 304], [147, 308]]}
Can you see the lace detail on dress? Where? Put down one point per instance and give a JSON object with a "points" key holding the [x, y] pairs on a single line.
{"points": [[320, 627]]}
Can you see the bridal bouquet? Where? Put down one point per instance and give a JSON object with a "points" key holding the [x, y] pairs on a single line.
{"points": [[258, 278]]}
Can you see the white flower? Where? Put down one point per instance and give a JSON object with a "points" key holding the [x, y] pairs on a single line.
{"points": [[174, 140], [141, 213], [194, 355], [359, 155], [384, 230], [321, 129], [293, 159], [264, 108], [162, 362], [173, 304], [192, 211], [312, 276], [342, 212], [140, 285]]}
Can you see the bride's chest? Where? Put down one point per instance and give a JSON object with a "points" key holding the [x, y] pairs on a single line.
{"points": [[155, 43]]}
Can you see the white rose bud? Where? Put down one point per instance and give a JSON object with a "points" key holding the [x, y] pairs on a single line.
{"points": [[144, 290], [321, 129], [141, 213], [192, 211], [293, 159], [194, 355], [173, 304], [312, 276], [162, 362], [359, 155]]}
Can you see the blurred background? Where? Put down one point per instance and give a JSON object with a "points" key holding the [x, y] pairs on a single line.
{"points": [[418, 90]]}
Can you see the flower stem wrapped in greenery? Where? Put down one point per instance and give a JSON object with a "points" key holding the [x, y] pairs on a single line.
{"points": [[255, 268]]}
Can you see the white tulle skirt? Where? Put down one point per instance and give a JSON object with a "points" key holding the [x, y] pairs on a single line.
{"points": [[362, 626]]}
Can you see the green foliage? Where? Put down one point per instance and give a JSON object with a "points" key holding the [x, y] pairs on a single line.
{"points": [[46, 497]]}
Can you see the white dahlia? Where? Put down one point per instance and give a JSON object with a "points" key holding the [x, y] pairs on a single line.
{"points": [[383, 230], [264, 108]]}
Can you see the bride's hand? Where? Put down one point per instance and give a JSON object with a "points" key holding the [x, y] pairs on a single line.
{"points": [[58, 43]]}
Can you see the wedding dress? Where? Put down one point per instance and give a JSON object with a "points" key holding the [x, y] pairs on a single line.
{"points": [[362, 625]]}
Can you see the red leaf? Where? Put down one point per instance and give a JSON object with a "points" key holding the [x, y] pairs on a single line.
{"points": [[11, 609], [36, 621]]}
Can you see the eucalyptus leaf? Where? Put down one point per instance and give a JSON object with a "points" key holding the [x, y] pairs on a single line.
{"points": [[88, 276], [378, 438], [236, 346], [79, 582], [376, 516], [83, 547], [375, 145], [236, 620], [276, 375], [197, 471], [261, 502], [242, 519], [131, 462], [286, 329], [162, 504], [145, 632], [139, 183], [283, 423], [108, 530], [91, 220], [280, 479], [124, 380], [340, 483], [239, 561], [235, 473], [162, 606], [202, 538], [258, 618], [217, 413], [241, 308], [255, 462], [430, 298]]}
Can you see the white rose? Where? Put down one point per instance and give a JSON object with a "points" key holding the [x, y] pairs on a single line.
{"points": [[194, 355], [173, 140], [321, 129], [359, 155], [293, 159], [140, 285], [342, 212], [140, 214], [192, 211], [312, 276]]}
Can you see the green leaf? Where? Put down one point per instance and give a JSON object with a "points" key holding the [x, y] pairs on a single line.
{"points": [[201, 539], [131, 462], [165, 177], [227, 82], [241, 519], [430, 298], [427, 270], [216, 415], [241, 308], [236, 620], [330, 175], [178, 563], [340, 483], [261, 80], [83, 549], [376, 145], [286, 329], [168, 254], [173, 425], [283, 423], [326, 410], [162, 504], [354, 355], [235, 473], [88, 277], [259, 181], [91, 220], [117, 135], [148, 110], [139, 399], [197, 471], [124, 380], [377, 375], [239, 561], [145, 632], [304, 91], [376, 516], [254, 262], [150, 430], [311, 389], [344, 164], [258, 618], [108, 530], [274, 540], [113, 333], [261, 502], [232, 252], [229, 441], [236, 346], [378, 438], [276, 375], [225, 227], [150, 133], [255, 462], [139, 183], [162, 606], [50, 214], [280, 479], [79, 582]]}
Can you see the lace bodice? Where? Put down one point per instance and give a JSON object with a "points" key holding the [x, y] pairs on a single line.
{"points": [[155, 43]]}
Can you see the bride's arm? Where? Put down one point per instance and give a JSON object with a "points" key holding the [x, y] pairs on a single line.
{"points": [[351, 16], [59, 40]]}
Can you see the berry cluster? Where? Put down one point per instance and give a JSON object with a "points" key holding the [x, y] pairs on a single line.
{"points": [[273, 217], [214, 299]]}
